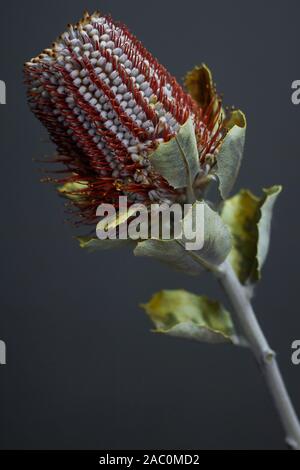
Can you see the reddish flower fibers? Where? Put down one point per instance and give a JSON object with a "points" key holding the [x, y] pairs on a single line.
{"points": [[106, 103]]}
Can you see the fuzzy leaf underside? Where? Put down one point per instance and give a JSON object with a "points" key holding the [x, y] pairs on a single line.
{"points": [[217, 245], [178, 159], [231, 152], [199, 83]]}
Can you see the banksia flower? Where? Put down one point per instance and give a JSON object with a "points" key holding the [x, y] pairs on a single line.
{"points": [[123, 126], [107, 104]]}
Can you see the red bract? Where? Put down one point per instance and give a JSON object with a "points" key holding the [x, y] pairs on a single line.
{"points": [[107, 103]]}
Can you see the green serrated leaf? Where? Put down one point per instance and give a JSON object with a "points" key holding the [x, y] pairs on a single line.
{"points": [[178, 159], [249, 219], [216, 246], [231, 152], [186, 315], [93, 244]]}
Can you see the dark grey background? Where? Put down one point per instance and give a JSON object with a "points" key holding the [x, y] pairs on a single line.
{"points": [[83, 369]]}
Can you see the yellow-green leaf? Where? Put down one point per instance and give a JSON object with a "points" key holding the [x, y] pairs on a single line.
{"points": [[73, 190], [249, 219], [186, 315]]}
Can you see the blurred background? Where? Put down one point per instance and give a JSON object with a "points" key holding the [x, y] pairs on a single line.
{"points": [[83, 369]]}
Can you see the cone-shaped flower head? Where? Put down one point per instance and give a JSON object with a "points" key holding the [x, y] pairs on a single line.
{"points": [[107, 104]]}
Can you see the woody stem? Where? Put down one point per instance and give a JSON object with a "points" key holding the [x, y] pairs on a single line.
{"points": [[264, 355]]}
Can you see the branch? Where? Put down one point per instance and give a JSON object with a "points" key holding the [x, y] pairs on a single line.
{"points": [[264, 355]]}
